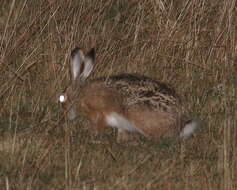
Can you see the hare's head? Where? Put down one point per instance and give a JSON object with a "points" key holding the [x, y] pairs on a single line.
{"points": [[81, 66]]}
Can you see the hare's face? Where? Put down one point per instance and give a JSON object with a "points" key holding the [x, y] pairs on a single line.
{"points": [[80, 68], [66, 99]]}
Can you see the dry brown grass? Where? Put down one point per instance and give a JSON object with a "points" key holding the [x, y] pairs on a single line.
{"points": [[189, 44]]}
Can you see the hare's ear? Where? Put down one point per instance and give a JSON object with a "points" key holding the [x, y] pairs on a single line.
{"points": [[81, 65], [89, 64], [76, 63]]}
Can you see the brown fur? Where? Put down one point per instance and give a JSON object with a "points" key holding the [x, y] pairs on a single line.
{"points": [[151, 107], [98, 100]]}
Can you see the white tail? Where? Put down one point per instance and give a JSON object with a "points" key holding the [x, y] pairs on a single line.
{"points": [[189, 128]]}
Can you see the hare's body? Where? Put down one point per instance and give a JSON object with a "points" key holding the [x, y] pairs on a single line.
{"points": [[128, 102]]}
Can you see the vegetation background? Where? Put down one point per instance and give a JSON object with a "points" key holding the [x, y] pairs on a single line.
{"points": [[189, 44]]}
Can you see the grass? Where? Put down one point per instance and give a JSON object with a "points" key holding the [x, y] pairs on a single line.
{"points": [[188, 44]]}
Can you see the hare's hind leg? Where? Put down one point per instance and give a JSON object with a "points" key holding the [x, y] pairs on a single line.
{"points": [[153, 124]]}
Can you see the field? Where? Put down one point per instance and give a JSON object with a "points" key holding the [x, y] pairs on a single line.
{"points": [[189, 44]]}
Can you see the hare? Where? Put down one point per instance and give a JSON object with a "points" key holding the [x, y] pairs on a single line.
{"points": [[128, 102]]}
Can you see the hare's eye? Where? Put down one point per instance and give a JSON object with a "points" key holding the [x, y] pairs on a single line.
{"points": [[62, 98]]}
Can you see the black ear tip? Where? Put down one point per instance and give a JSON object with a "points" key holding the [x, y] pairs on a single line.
{"points": [[91, 53], [75, 51]]}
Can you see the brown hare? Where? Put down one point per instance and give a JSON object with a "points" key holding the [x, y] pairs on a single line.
{"points": [[128, 102]]}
